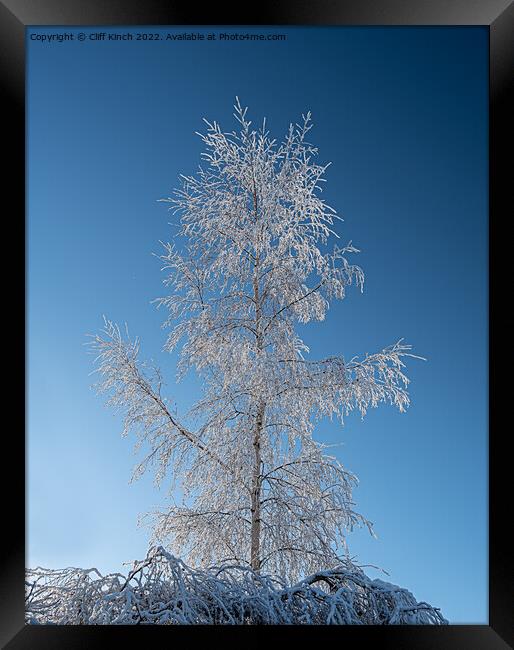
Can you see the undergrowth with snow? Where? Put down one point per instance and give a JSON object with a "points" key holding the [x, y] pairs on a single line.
{"points": [[161, 589]]}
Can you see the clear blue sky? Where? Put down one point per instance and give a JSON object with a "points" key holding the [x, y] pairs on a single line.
{"points": [[402, 115]]}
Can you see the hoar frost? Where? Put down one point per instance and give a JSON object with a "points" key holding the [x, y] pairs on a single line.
{"points": [[253, 258], [162, 590]]}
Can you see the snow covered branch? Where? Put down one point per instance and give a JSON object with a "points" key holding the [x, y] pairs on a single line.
{"points": [[135, 388], [163, 590]]}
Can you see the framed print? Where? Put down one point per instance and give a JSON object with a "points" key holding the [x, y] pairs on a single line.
{"points": [[205, 197]]}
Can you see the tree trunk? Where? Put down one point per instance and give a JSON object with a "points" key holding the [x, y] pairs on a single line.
{"points": [[255, 534], [255, 553]]}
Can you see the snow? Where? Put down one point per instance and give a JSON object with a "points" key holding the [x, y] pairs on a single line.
{"points": [[162, 590]]}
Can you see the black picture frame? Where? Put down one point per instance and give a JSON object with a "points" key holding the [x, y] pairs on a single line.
{"points": [[498, 16]]}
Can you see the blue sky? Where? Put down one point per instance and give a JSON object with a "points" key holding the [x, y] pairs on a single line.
{"points": [[402, 115]]}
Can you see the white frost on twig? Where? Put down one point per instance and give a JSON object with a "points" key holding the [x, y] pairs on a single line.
{"points": [[163, 590], [251, 261]]}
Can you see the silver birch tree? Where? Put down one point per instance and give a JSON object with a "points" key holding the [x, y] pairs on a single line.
{"points": [[253, 258]]}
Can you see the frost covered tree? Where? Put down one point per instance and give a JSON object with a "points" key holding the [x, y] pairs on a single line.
{"points": [[252, 259]]}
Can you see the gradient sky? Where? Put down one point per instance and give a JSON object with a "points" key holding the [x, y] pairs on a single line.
{"points": [[402, 115]]}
